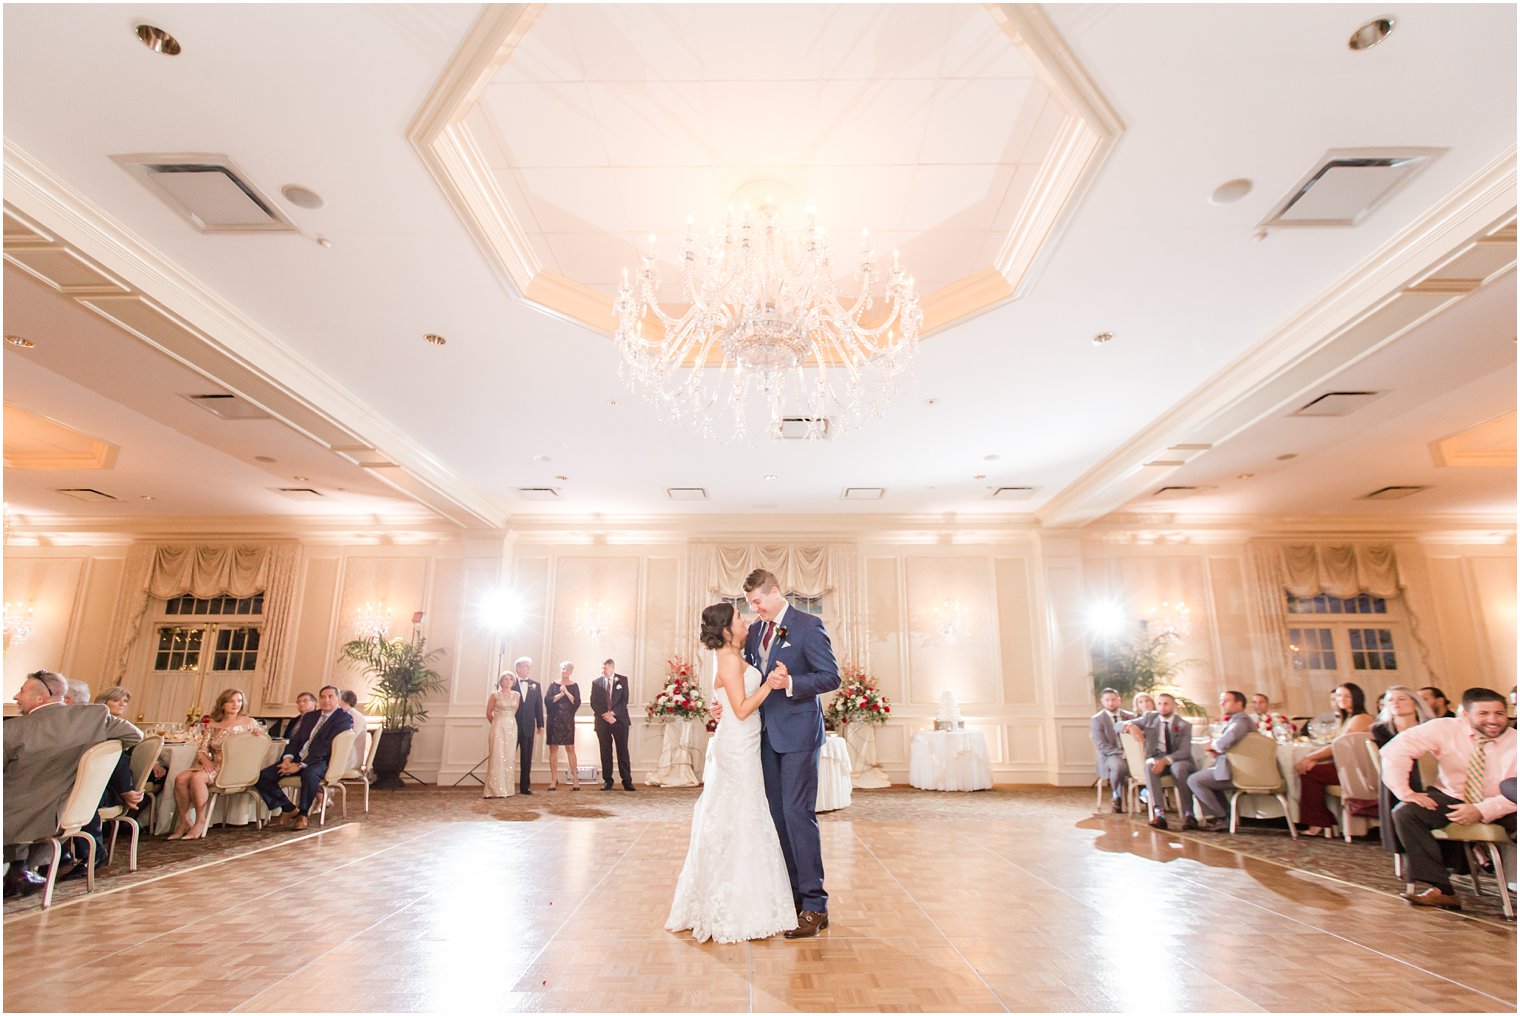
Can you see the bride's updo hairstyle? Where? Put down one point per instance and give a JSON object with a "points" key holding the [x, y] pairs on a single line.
{"points": [[715, 622]]}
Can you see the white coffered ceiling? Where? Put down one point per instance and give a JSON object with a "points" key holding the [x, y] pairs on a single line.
{"points": [[672, 112]]}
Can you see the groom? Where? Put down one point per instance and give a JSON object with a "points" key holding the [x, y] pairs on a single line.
{"points": [[792, 652]]}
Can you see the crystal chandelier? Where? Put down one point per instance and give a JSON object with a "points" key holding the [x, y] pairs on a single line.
{"points": [[372, 621], [1170, 619], [949, 619], [764, 317], [18, 623], [592, 621]]}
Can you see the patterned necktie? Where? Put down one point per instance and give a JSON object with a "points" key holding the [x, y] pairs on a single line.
{"points": [[765, 640], [1477, 768], [307, 746]]}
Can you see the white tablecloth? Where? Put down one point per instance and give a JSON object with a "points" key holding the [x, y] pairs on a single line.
{"points": [[949, 760], [678, 755], [240, 810], [834, 783], [1260, 805]]}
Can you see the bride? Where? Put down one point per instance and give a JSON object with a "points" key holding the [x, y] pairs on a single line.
{"points": [[734, 885]]}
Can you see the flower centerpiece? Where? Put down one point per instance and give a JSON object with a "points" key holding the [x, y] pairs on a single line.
{"points": [[857, 700], [681, 698], [1276, 725]]}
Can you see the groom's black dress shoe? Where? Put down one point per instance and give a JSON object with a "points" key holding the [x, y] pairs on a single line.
{"points": [[19, 881], [606, 786], [809, 923]]}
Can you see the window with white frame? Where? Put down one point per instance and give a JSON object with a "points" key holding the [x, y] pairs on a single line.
{"points": [[1346, 638], [198, 647]]}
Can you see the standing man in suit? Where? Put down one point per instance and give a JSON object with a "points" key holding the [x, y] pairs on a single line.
{"points": [[307, 755], [1104, 729], [530, 719], [1210, 785], [609, 702], [43, 747], [792, 652], [1168, 740]]}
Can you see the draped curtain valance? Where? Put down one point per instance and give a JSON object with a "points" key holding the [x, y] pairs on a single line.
{"points": [[1340, 570], [168, 570]]}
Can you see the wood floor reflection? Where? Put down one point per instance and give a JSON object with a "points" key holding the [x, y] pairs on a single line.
{"points": [[1054, 911]]}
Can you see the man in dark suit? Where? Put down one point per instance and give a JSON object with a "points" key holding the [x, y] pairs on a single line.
{"points": [[1104, 730], [306, 756], [530, 720], [792, 652], [1168, 740], [609, 703], [1210, 785], [43, 747]]}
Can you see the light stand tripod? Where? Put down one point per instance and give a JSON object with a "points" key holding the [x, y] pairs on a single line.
{"points": [[501, 651]]}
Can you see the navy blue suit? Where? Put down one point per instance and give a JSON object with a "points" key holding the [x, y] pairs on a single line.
{"points": [[789, 742], [315, 762]]}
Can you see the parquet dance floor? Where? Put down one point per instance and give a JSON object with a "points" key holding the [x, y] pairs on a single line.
{"points": [[1056, 910]]}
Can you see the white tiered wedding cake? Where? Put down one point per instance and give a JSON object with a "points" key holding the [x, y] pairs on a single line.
{"points": [[949, 717]]}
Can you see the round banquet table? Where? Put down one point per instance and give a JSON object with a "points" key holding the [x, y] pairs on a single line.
{"points": [[834, 783], [949, 760], [1261, 805], [239, 810]]}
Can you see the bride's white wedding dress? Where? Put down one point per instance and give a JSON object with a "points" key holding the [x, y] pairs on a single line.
{"points": [[734, 885]]}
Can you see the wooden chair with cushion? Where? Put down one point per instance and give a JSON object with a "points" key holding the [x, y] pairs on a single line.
{"points": [[1471, 837], [1358, 781], [94, 772], [242, 759], [342, 747], [144, 756], [1134, 755], [1253, 770]]}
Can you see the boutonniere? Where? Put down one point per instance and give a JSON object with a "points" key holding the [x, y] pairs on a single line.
{"points": [[781, 633]]}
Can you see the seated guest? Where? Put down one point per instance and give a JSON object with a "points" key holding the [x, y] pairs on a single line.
{"points": [[1474, 753], [306, 703], [78, 693], [1266, 720], [1402, 710], [1142, 704], [192, 788], [1316, 770], [1210, 785], [1104, 728], [361, 724], [119, 791], [306, 756], [1435, 699], [43, 747], [1168, 740]]}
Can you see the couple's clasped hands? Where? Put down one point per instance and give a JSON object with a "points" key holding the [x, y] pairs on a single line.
{"points": [[778, 681]]}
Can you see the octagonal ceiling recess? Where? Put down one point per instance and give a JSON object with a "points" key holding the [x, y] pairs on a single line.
{"points": [[565, 135]]}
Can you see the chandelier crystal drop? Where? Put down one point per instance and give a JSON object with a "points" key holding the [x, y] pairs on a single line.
{"points": [[764, 317], [592, 620], [18, 623], [372, 621]]}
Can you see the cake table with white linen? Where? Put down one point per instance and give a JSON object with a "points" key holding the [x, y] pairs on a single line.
{"points": [[949, 760]]}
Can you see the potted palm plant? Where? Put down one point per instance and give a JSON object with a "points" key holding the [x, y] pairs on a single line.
{"points": [[403, 677], [1143, 662]]}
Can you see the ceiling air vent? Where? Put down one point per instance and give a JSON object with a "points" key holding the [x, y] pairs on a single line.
{"points": [[1346, 184], [538, 493], [300, 493], [686, 493], [208, 191], [1177, 493], [228, 407], [864, 493], [803, 428], [1013, 493], [88, 494], [1391, 493], [1336, 403]]}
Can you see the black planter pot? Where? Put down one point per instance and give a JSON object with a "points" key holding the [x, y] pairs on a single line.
{"points": [[390, 758]]}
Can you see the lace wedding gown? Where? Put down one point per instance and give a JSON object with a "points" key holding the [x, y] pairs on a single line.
{"points": [[734, 885]]}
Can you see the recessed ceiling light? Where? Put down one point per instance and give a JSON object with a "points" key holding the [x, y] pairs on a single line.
{"points": [[264, 458], [931, 402], [770, 476], [540, 458], [146, 497], [990, 458], [980, 476], [562, 476], [612, 402], [301, 479], [433, 338], [1370, 34], [1230, 191], [324, 243], [302, 197], [1245, 476], [156, 39], [1102, 338], [1289, 455], [20, 342]]}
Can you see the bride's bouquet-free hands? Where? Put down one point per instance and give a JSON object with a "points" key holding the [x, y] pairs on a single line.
{"points": [[681, 698]]}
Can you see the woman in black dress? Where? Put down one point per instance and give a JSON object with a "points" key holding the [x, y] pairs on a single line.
{"points": [[1402, 709], [561, 700]]}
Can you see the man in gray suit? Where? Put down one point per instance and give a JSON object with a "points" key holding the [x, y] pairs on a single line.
{"points": [[43, 747], [1104, 728], [1210, 785], [1168, 740]]}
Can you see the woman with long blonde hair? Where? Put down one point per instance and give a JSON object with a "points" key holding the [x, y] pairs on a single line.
{"points": [[192, 787]]}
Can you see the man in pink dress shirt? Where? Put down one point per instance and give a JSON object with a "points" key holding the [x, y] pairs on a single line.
{"points": [[1466, 791]]}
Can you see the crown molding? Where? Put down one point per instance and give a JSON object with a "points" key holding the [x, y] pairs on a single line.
{"points": [[224, 332], [1370, 306]]}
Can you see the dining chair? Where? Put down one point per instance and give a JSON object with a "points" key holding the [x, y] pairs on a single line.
{"points": [[1357, 780], [1376, 755], [1134, 755], [365, 770], [144, 757], [342, 746], [1471, 837], [1253, 770], [242, 760], [90, 778]]}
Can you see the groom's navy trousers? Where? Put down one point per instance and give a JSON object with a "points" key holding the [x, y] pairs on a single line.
{"points": [[790, 742]]}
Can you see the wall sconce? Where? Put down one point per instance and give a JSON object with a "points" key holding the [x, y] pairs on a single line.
{"points": [[18, 623], [591, 620], [949, 620], [372, 621]]}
